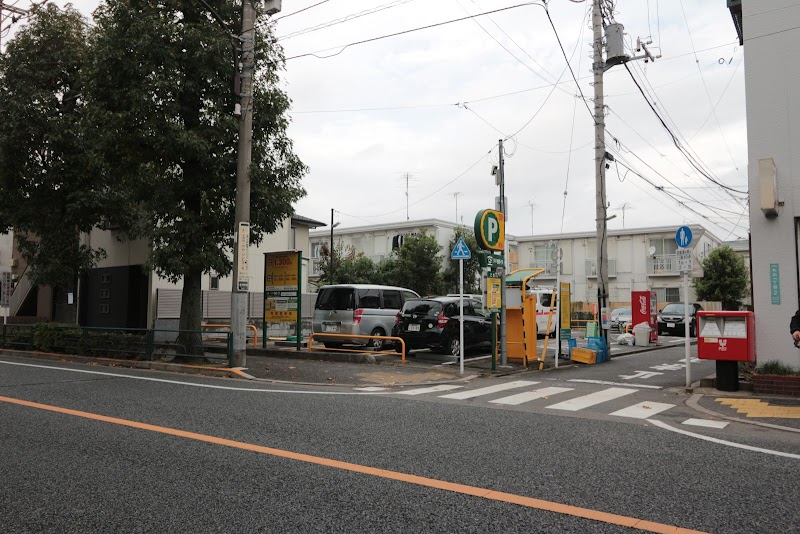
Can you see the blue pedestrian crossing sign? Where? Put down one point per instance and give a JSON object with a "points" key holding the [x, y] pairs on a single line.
{"points": [[683, 237], [460, 251]]}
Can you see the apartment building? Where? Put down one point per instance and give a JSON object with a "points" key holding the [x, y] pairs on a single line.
{"points": [[639, 259]]}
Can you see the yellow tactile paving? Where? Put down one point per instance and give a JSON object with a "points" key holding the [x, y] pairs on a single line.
{"points": [[759, 408]]}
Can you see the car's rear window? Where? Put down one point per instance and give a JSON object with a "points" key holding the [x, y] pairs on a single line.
{"points": [[335, 298], [422, 307]]}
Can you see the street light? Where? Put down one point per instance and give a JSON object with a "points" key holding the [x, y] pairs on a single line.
{"points": [[330, 270]]}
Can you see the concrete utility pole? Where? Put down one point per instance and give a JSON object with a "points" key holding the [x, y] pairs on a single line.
{"points": [[241, 286], [598, 66], [240, 289], [502, 178], [616, 56]]}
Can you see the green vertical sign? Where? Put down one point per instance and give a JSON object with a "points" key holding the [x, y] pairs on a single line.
{"points": [[775, 282]]}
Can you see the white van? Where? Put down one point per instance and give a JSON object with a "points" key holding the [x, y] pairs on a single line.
{"points": [[357, 309], [544, 296]]}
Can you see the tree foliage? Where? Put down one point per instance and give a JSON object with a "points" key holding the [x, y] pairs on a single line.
{"points": [[416, 265], [49, 192], [161, 109], [349, 267], [725, 278], [472, 269]]}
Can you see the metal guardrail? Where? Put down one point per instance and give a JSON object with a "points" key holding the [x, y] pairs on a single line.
{"points": [[359, 336], [111, 342], [249, 327]]}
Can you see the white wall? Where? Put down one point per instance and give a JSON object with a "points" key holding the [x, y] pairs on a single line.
{"points": [[772, 82]]}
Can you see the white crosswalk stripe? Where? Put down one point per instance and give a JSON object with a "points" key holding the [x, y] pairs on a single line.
{"points": [[472, 393], [432, 389], [643, 410], [705, 423], [579, 403], [519, 398]]}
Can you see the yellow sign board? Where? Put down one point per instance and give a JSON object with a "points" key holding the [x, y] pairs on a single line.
{"points": [[565, 305], [493, 294], [281, 286]]}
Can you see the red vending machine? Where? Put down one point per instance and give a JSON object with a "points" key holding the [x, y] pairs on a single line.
{"points": [[644, 309]]}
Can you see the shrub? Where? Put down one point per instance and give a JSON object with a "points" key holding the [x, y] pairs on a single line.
{"points": [[55, 337], [777, 368]]}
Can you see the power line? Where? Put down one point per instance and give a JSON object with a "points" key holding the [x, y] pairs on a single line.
{"points": [[705, 86], [676, 142], [348, 18], [342, 48]]}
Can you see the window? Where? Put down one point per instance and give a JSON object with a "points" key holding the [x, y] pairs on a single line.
{"points": [[668, 294], [105, 293], [541, 253], [316, 248], [408, 295], [429, 308], [105, 278], [664, 246], [335, 298], [369, 298], [105, 308], [292, 238], [213, 282], [391, 299]]}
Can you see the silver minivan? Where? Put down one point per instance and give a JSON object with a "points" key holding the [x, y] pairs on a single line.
{"points": [[360, 309]]}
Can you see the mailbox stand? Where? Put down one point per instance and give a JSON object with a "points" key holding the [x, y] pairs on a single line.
{"points": [[729, 338]]}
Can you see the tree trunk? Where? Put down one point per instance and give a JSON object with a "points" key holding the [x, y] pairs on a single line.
{"points": [[190, 339]]}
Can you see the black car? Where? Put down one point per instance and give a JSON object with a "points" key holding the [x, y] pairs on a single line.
{"points": [[670, 319], [434, 323]]}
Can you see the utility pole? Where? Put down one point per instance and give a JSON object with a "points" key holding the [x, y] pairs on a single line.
{"points": [[616, 56], [240, 290], [598, 66], [408, 177], [531, 205], [16, 14], [455, 195], [502, 178]]}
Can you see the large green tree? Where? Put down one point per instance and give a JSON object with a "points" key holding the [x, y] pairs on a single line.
{"points": [[349, 267], [725, 278], [416, 265], [472, 269], [161, 105], [49, 190]]}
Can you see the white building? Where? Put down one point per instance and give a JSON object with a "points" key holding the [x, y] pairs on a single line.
{"points": [[772, 85], [378, 241], [639, 259]]}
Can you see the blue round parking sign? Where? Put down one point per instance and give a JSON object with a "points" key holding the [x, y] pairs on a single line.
{"points": [[683, 237]]}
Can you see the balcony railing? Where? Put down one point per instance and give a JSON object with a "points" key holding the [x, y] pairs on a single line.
{"points": [[591, 268], [662, 265], [548, 266]]}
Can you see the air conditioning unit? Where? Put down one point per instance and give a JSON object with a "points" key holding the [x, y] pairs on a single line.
{"points": [[14, 262]]}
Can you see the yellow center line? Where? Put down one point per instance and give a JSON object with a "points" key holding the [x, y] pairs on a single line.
{"points": [[528, 502]]}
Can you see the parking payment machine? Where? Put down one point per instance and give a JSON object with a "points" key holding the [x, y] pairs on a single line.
{"points": [[644, 309], [728, 337]]}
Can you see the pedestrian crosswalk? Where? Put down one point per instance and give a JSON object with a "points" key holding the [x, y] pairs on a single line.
{"points": [[566, 399]]}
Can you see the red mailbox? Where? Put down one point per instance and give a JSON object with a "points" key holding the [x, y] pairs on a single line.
{"points": [[726, 335], [644, 309]]}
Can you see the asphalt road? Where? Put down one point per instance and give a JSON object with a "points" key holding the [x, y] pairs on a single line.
{"points": [[115, 450]]}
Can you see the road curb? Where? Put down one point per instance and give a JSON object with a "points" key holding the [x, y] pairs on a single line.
{"points": [[693, 402], [130, 364]]}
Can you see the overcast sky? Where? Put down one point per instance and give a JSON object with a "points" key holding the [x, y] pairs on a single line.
{"points": [[414, 120]]}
